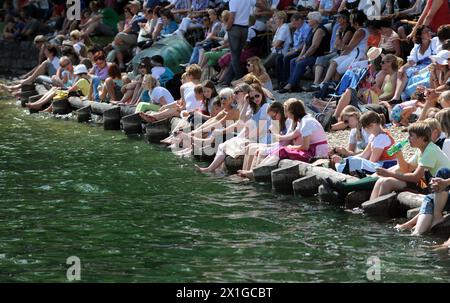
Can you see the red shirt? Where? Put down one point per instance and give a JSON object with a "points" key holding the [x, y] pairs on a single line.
{"points": [[441, 17]]}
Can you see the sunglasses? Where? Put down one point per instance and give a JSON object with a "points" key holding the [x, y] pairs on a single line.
{"points": [[100, 59], [383, 62], [223, 98], [256, 96], [237, 92], [248, 64]]}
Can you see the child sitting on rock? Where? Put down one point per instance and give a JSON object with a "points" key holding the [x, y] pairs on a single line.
{"points": [[375, 154]]}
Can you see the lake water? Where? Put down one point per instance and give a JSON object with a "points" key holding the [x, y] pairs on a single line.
{"points": [[133, 212]]}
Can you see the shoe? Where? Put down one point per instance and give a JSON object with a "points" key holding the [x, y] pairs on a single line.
{"points": [[332, 186], [327, 120], [284, 90]]}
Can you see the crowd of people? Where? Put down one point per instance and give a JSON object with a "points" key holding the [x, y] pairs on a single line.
{"points": [[367, 72]]}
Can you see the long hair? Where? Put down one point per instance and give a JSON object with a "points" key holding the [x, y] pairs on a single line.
{"points": [[277, 107], [372, 117], [297, 108], [252, 104], [350, 110]]}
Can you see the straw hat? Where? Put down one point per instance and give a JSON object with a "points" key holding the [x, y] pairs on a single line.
{"points": [[373, 53]]}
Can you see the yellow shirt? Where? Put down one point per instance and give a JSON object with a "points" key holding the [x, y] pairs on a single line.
{"points": [[83, 85]]}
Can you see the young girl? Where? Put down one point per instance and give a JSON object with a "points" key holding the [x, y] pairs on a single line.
{"points": [[375, 154], [358, 138], [113, 84], [311, 140], [159, 96], [256, 152]]}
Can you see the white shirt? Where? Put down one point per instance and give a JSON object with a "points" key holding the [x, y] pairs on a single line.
{"points": [[364, 140], [310, 127], [159, 92], [416, 56], [283, 33], [192, 103], [446, 147], [157, 71], [381, 141], [242, 9]]}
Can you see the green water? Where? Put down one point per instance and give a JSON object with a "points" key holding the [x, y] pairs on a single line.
{"points": [[133, 212]]}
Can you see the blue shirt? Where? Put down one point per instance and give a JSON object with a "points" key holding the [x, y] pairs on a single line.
{"points": [[301, 34]]}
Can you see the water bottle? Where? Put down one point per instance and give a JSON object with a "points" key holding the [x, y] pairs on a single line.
{"points": [[397, 147]]}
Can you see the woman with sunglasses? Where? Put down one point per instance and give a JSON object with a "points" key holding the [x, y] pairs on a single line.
{"points": [[255, 122]]}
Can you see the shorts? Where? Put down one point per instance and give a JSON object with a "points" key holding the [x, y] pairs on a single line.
{"points": [[325, 60], [427, 206]]}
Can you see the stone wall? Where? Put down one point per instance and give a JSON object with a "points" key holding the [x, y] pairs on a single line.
{"points": [[17, 58]]}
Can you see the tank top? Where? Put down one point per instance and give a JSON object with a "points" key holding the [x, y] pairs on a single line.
{"points": [[324, 44], [441, 17]]}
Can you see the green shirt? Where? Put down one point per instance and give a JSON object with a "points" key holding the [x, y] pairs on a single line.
{"points": [[110, 17], [432, 158]]}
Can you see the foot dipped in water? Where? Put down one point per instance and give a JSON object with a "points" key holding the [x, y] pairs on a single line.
{"points": [[404, 226], [444, 246], [246, 174], [201, 169], [147, 117]]}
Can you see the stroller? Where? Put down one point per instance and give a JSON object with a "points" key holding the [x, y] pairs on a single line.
{"points": [[351, 78]]}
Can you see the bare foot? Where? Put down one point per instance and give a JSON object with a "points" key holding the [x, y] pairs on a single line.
{"points": [[32, 106], [148, 118], [443, 246], [436, 221], [403, 227], [246, 174], [201, 169]]}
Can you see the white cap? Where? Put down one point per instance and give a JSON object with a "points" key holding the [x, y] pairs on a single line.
{"points": [[441, 57], [80, 69]]}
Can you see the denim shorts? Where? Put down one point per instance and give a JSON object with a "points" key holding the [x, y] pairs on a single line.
{"points": [[428, 202]]}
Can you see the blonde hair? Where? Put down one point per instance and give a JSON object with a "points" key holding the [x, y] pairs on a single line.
{"points": [[149, 82], [445, 96], [351, 110], [225, 15], [433, 123], [281, 15], [443, 117], [258, 67]]}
